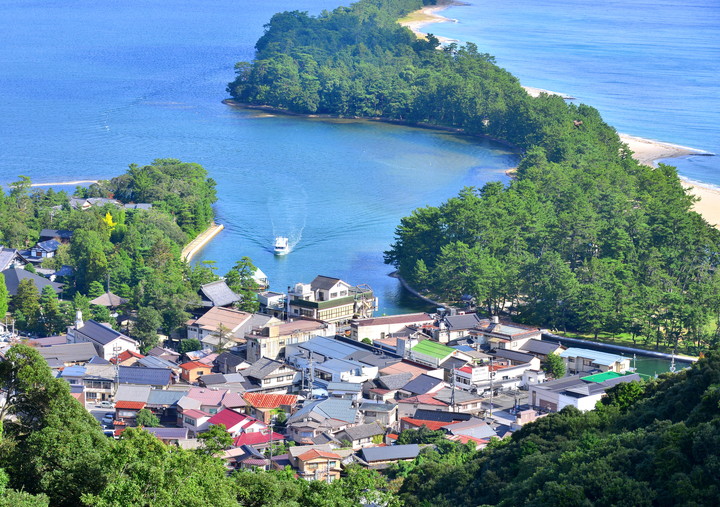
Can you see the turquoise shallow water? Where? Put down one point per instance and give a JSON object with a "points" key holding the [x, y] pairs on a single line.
{"points": [[649, 67]]}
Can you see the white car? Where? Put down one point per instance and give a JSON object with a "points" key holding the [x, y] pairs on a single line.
{"points": [[105, 404], [108, 418]]}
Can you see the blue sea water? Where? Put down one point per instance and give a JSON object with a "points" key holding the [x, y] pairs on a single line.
{"points": [[91, 86], [649, 66]]}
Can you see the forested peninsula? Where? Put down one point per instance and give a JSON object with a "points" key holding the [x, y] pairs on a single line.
{"points": [[584, 239]]}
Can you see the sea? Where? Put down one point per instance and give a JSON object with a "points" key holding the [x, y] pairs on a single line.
{"points": [[91, 86]]}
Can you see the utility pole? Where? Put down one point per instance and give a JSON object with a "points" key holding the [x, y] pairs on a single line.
{"points": [[492, 386]]}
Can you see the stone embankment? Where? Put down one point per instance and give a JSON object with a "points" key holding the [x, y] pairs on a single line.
{"points": [[200, 241]]}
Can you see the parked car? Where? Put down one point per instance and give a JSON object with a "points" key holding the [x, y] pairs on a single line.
{"points": [[108, 418], [105, 404]]}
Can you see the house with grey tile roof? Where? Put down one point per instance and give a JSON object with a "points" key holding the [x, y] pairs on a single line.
{"points": [[107, 342], [11, 258], [69, 353], [217, 293], [362, 435], [383, 413], [422, 384], [13, 277]]}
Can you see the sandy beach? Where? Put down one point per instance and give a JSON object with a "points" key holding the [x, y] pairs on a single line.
{"points": [[427, 15]]}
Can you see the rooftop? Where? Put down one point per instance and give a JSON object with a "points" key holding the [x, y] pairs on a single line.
{"points": [[433, 349], [602, 358], [217, 316]]}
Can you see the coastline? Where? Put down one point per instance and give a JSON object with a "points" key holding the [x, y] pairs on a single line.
{"points": [[429, 15], [645, 151], [200, 241], [62, 183]]}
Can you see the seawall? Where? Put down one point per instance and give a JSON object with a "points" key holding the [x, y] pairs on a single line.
{"points": [[200, 241]]}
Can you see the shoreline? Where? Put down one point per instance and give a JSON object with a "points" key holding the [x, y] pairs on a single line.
{"points": [[645, 151], [63, 183], [200, 241]]}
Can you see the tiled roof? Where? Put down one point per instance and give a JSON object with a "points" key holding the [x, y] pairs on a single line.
{"points": [[125, 355], [417, 423], [168, 433], [132, 393], [144, 376], [101, 333], [195, 414], [422, 384], [69, 352], [362, 431], [323, 282], [193, 365], [217, 316], [229, 418], [390, 452], [394, 319], [109, 299], [432, 349], [260, 400], [426, 399], [14, 276], [317, 453], [156, 362], [130, 405], [257, 438], [395, 381], [218, 293], [164, 397], [206, 396]]}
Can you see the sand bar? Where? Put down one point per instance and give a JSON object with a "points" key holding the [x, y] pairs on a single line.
{"points": [[61, 183]]}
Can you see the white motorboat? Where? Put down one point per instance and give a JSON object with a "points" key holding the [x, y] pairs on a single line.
{"points": [[281, 245]]}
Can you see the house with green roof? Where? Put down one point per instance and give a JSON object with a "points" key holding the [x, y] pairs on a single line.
{"points": [[430, 353]]}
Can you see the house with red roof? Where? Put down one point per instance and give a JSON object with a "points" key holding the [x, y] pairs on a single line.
{"points": [[260, 439], [126, 411], [319, 465], [236, 422], [194, 369], [266, 406], [126, 358], [196, 421]]}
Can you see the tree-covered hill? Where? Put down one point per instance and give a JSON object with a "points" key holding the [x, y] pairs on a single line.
{"points": [[585, 239], [646, 444]]}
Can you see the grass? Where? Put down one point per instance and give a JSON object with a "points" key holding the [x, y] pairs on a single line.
{"points": [[624, 339]]}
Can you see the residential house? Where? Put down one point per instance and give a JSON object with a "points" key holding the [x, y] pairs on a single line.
{"points": [[234, 381], [98, 380], [229, 362], [237, 423], [44, 249], [11, 258], [13, 277], [426, 352], [107, 342], [163, 403], [217, 294], [578, 360], [383, 457], [206, 328], [87, 203], [156, 377], [383, 413], [268, 375], [266, 406], [126, 358], [345, 390], [505, 335], [127, 411], [109, 300], [60, 235], [379, 328], [541, 348], [162, 353], [456, 325], [273, 303], [271, 339], [192, 370], [69, 353], [423, 384], [581, 392], [320, 465], [362, 435], [331, 300], [196, 421]]}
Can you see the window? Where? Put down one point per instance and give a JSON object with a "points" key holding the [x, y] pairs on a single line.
{"points": [[91, 396]]}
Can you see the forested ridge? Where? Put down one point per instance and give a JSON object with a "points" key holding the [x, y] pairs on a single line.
{"points": [[585, 238]]}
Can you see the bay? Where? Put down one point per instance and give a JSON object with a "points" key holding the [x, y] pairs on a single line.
{"points": [[89, 87]]}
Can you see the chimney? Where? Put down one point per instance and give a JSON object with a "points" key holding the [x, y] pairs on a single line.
{"points": [[495, 319], [79, 319]]}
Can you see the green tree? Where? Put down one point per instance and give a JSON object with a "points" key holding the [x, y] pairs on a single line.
{"points": [[147, 419], [554, 365], [4, 297], [52, 320], [240, 280], [27, 302], [215, 440], [189, 345], [146, 327]]}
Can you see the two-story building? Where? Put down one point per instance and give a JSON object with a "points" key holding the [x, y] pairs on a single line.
{"points": [[108, 343], [272, 339], [331, 300]]}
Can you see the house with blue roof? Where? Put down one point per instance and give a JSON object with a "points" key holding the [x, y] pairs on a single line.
{"points": [[579, 360]]}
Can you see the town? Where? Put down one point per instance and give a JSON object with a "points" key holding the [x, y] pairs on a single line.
{"points": [[313, 381]]}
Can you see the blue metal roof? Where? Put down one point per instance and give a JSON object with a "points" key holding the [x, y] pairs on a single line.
{"points": [[144, 376], [391, 452], [74, 371], [597, 357], [328, 347]]}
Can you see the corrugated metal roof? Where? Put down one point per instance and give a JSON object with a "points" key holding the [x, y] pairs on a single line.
{"points": [[144, 376], [602, 358], [432, 349], [390, 452]]}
